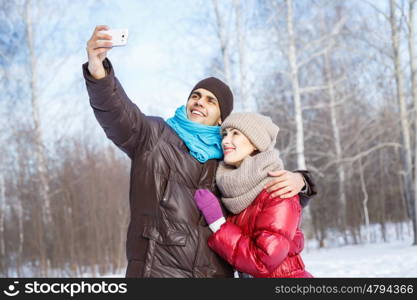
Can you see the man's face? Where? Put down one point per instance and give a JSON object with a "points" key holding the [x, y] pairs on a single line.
{"points": [[203, 107]]}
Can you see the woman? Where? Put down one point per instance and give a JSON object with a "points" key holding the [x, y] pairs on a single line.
{"points": [[263, 237]]}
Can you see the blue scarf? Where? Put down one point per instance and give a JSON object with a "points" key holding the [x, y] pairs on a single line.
{"points": [[203, 141]]}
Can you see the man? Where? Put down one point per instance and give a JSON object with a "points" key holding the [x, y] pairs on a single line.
{"points": [[167, 235]]}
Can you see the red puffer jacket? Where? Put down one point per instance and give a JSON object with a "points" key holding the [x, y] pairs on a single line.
{"points": [[264, 240]]}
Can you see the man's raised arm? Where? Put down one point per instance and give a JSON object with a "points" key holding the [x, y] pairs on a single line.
{"points": [[120, 118]]}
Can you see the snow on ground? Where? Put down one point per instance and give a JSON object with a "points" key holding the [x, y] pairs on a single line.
{"points": [[393, 259]]}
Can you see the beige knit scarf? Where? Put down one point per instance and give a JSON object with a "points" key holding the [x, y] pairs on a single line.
{"points": [[240, 186]]}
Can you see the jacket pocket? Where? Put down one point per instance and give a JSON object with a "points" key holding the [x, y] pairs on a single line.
{"points": [[168, 249], [167, 237]]}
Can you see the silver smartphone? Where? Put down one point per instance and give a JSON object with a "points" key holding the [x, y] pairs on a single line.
{"points": [[119, 36]]}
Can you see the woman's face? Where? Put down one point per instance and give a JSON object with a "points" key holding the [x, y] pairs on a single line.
{"points": [[236, 147]]}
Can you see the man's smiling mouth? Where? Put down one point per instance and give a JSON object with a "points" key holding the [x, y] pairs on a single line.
{"points": [[197, 112]]}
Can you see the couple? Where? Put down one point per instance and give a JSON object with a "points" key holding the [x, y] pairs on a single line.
{"points": [[173, 177]]}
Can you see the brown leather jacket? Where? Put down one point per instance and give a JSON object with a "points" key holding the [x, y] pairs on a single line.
{"points": [[167, 235]]}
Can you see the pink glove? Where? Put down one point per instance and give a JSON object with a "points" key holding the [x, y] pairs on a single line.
{"points": [[297, 243], [209, 205]]}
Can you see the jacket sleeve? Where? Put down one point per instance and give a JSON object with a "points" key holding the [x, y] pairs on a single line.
{"points": [[310, 188], [121, 119], [261, 252]]}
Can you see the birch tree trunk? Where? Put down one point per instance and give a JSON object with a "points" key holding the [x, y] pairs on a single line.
{"points": [[41, 164], [295, 85], [413, 65], [337, 141], [224, 44], [365, 201], [405, 127], [242, 55]]}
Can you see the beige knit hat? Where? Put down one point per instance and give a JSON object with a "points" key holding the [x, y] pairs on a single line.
{"points": [[259, 129]]}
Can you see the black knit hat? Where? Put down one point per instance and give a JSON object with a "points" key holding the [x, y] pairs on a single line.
{"points": [[222, 92]]}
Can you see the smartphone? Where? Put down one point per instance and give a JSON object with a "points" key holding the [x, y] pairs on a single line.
{"points": [[119, 36]]}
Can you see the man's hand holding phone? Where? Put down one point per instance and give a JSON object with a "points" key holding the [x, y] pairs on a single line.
{"points": [[102, 40]]}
